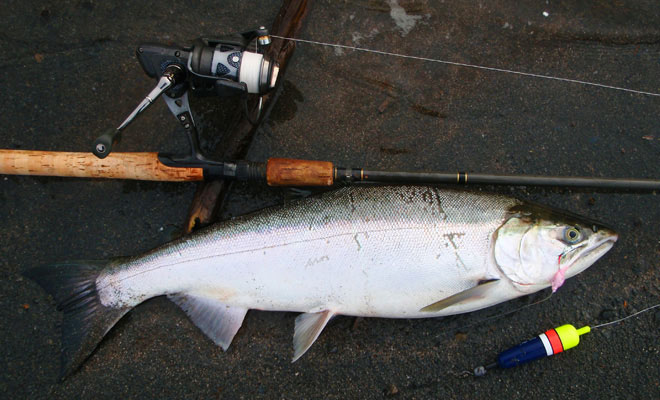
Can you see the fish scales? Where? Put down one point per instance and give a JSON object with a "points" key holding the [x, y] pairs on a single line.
{"points": [[359, 251]]}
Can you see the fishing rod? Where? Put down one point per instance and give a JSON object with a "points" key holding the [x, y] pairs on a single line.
{"points": [[226, 67], [274, 172]]}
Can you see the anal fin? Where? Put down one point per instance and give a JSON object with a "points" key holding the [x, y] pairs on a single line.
{"points": [[478, 291], [217, 320], [307, 330]]}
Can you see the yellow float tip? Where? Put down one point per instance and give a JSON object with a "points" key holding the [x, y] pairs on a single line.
{"points": [[583, 330]]}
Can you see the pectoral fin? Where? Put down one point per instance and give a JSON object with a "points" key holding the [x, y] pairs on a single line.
{"points": [[479, 291], [308, 328], [217, 320]]}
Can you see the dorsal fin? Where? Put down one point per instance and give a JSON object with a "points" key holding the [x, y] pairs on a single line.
{"points": [[308, 328], [217, 320]]}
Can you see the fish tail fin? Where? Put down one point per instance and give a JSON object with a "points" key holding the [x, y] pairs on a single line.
{"points": [[86, 320]]}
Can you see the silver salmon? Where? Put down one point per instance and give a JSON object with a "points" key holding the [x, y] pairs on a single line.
{"points": [[372, 251]]}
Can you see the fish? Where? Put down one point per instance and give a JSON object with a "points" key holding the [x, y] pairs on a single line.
{"points": [[369, 251]]}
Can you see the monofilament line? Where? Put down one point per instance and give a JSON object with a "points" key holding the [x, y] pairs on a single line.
{"points": [[482, 67], [625, 318], [500, 315]]}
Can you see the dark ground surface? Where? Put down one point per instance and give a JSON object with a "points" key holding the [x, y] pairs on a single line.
{"points": [[69, 72]]}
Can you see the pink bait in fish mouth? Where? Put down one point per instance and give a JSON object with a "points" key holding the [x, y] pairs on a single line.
{"points": [[559, 277]]}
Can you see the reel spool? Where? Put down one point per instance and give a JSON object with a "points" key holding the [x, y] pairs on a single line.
{"points": [[228, 61]]}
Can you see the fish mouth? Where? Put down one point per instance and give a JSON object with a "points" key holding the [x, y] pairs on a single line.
{"points": [[590, 254]]}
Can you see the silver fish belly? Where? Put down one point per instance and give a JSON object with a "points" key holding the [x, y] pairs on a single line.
{"points": [[377, 251]]}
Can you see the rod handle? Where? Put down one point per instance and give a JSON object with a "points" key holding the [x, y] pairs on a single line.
{"points": [[292, 172], [139, 166]]}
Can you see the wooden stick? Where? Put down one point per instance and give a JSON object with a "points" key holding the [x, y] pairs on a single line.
{"points": [[211, 195], [140, 166]]}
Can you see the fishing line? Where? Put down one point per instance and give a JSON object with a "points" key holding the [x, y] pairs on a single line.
{"points": [[500, 315], [465, 65], [625, 318]]}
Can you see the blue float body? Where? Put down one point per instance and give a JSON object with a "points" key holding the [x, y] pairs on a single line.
{"points": [[525, 352]]}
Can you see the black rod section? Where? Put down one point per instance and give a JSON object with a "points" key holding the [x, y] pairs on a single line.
{"points": [[357, 174]]}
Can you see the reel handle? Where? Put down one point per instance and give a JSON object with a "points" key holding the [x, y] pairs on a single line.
{"points": [[103, 144]]}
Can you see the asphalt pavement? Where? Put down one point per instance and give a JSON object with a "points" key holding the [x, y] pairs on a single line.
{"points": [[69, 72]]}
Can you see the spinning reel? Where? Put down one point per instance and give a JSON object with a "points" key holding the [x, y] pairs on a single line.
{"points": [[220, 66]]}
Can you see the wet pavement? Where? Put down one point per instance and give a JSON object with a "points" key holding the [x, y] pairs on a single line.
{"points": [[69, 72]]}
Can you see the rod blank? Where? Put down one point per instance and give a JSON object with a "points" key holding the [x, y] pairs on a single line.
{"points": [[510, 180]]}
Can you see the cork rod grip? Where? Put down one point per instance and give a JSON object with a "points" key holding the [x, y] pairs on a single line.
{"points": [[290, 172], [139, 166]]}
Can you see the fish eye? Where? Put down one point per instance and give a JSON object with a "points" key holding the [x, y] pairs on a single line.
{"points": [[572, 235]]}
